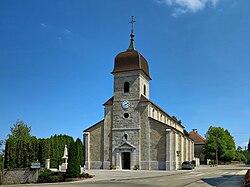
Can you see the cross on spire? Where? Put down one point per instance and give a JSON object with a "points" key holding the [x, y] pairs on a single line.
{"points": [[132, 24], [132, 46]]}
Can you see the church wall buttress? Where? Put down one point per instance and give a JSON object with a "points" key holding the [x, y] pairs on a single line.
{"points": [[96, 146], [87, 149], [106, 135], [145, 137], [157, 145]]}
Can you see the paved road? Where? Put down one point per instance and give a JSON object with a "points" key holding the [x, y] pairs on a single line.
{"points": [[222, 176]]}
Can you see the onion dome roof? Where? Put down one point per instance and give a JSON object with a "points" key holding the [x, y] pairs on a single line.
{"points": [[131, 60]]}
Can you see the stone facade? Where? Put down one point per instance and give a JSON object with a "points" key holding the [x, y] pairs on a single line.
{"points": [[135, 133]]}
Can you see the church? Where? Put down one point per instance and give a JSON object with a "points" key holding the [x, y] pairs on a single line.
{"points": [[135, 132]]}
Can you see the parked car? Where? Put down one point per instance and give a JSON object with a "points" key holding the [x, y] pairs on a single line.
{"points": [[187, 165]]}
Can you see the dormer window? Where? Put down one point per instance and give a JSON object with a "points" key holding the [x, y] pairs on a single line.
{"points": [[126, 87]]}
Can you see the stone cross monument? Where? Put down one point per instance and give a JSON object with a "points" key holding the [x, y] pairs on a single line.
{"points": [[65, 159]]}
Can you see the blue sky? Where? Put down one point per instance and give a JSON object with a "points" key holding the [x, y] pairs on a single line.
{"points": [[56, 58]]}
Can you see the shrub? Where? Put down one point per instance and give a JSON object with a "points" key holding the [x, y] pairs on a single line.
{"points": [[73, 169], [85, 176], [47, 176]]}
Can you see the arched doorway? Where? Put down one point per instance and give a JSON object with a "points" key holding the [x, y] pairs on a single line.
{"points": [[125, 160]]}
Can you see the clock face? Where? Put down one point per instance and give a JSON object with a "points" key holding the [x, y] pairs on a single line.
{"points": [[125, 104]]}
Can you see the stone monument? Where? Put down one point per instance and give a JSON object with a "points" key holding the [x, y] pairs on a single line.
{"points": [[65, 159]]}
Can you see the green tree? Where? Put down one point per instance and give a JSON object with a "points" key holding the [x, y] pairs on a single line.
{"points": [[220, 145], [239, 156], [20, 130], [73, 169], [239, 149], [21, 148], [43, 150], [57, 143], [247, 156], [10, 153], [80, 151]]}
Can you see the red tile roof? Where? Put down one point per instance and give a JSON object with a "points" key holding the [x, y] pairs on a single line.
{"points": [[198, 139], [109, 102]]}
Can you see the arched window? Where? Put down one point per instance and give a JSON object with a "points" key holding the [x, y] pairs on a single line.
{"points": [[144, 90], [126, 87], [125, 136]]}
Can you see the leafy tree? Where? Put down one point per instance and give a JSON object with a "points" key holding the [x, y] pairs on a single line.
{"points": [[57, 143], [228, 155], [80, 151], [247, 155], [20, 130], [220, 144], [239, 148], [73, 169], [22, 149], [43, 150], [239, 156], [53, 149]]}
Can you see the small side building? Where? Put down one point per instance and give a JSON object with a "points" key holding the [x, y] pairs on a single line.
{"points": [[199, 143]]}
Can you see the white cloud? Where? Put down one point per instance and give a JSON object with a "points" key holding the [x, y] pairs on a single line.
{"points": [[178, 11], [67, 31], [243, 145], [185, 6], [43, 25]]}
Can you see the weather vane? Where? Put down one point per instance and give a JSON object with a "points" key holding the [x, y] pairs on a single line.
{"points": [[132, 23]]}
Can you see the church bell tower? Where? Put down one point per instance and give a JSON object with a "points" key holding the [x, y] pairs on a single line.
{"points": [[131, 82]]}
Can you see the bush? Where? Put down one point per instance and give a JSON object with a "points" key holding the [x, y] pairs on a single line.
{"points": [[73, 169], [47, 176], [85, 176]]}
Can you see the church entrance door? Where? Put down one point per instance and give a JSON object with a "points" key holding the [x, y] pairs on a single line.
{"points": [[126, 160]]}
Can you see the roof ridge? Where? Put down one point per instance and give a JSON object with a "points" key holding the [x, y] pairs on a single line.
{"points": [[198, 137]]}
